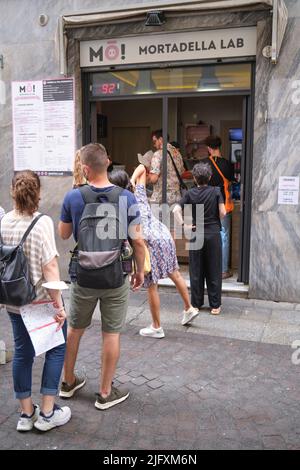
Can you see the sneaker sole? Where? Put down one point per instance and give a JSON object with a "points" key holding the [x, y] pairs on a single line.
{"points": [[25, 429], [71, 392], [155, 335], [49, 426], [105, 406], [191, 319]]}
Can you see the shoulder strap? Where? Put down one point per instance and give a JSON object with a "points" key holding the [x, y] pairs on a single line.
{"points": [[89, 196], [182, 184], [29, 229], [217, 168]]}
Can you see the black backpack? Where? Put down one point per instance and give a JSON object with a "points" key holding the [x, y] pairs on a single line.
{"points": [[99, 264], [16, 287]]}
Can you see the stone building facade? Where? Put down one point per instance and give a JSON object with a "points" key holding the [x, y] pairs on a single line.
{"points": [[30, 52]]}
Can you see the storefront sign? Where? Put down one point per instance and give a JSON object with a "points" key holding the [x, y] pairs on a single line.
{"points": [[44, 126], [288, 192], [196, 45]]}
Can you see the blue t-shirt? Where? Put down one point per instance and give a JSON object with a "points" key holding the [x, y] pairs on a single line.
{"points": [[73, 207]]}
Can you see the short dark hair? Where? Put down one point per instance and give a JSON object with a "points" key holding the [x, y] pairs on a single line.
{"points": [[175, 144], [213, 141], [202, 173], [159, 134], [94, 156], [120, 178]]}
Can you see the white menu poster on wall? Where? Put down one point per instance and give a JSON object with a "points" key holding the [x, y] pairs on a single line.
{"points": [[44, 126], [288, 190]]}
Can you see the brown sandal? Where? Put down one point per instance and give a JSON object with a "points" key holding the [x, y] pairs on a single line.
{"points": [[215, 311]]}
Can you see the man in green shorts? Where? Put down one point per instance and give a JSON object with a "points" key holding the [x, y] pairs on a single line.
{"points": [[113, 301]]}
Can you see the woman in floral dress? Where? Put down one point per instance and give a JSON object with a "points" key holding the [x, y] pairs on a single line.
{"points": [[162, 254]]}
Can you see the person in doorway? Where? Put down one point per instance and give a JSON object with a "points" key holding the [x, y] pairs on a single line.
{"points": [[113, 301], [222, 176], [41, 253], [162, 251], [155, 174], [205, 263]]}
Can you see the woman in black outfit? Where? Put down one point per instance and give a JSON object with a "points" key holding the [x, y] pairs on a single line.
{"points": [[205, 261]]}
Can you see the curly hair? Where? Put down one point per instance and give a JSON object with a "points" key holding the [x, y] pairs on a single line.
{"points": [[26, 186], [78, 176], [202, 173]]}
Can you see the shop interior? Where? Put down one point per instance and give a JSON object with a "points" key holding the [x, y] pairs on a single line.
{"points": [[124, 126]]}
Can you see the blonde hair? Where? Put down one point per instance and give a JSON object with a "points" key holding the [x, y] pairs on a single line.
{"points": [[78, 176]]}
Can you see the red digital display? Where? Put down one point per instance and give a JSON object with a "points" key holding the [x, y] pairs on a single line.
{"points": [[109, 88]]}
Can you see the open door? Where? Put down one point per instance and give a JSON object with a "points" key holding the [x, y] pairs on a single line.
{"points": [[246, 191]]}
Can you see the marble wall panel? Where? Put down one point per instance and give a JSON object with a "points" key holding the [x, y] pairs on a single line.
{"points": [[275, 229]]}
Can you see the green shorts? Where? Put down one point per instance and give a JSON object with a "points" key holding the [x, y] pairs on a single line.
{"points": [[113, 306]]}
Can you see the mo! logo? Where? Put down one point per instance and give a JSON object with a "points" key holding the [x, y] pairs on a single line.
{"points": [[27, 89], [110, 52]]}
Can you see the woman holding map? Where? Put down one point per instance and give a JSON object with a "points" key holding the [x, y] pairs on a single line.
{"points": [[41, 254]]}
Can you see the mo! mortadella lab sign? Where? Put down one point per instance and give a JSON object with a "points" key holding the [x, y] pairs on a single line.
{"points": [[195, 45]]}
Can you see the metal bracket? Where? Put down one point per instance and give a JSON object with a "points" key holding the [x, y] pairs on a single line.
{"points": [[267, 52]]}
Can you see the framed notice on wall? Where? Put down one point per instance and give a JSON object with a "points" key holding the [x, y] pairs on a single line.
{"points": [[44, 126]]}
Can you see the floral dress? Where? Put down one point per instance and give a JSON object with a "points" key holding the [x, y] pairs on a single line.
{"points": [[159, 240]]}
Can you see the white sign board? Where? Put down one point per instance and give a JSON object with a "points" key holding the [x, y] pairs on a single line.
{"points": [[288, 191], [195, 45], [44, 126]]}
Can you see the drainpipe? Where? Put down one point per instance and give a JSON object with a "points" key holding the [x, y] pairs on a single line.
{"points": [[274, 32], [62, 47]]}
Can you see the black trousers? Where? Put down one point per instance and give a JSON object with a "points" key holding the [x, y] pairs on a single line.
{"points": [[207, 264]]}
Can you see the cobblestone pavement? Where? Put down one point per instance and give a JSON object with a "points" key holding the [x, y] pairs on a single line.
{"points": [[188, 391]]}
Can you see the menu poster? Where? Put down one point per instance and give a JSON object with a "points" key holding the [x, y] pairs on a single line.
{"points": [[44, 126], [38, 318], [288, 191]]}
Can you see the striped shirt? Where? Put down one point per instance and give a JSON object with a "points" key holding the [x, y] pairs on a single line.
{"points": [[39, 247]]}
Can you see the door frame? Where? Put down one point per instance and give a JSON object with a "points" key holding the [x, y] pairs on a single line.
{"points": [[89, 133]]}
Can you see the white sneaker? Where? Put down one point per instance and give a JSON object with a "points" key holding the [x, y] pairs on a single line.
{"points": [[59, 417], [152, 332], [189, 315], [26, 422]]}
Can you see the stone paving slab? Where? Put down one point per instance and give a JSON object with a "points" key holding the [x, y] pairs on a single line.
{"points": [[187, 391], [224, 382]]}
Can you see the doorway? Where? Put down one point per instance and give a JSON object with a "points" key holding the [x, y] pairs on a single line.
{"points": [[124, 125]]}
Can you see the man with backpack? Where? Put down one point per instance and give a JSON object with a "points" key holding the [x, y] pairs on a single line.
{"points": [[97, 215]]}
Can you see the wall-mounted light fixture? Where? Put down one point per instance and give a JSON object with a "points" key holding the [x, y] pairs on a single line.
{"points": [[155, 18]]}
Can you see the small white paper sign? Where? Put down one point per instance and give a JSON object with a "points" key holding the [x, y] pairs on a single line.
{"points": [[41, 326], [288, 191]]}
